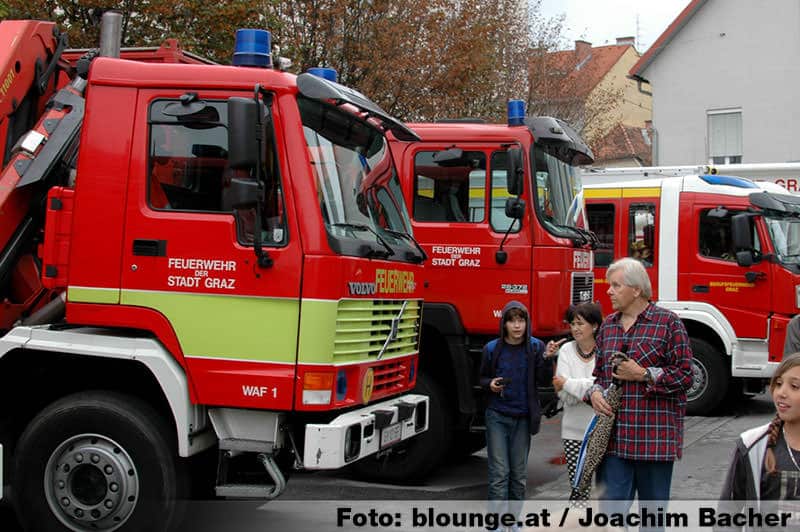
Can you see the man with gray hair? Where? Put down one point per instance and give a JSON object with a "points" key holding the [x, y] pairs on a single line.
{"points": [[648, 432]]}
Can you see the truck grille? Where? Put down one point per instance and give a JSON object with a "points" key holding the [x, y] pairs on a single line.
{"points": [[390, 377], [582, 287], [364, 325]]}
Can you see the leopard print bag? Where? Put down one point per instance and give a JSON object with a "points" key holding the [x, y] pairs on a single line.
{"points": [[598, 433]]}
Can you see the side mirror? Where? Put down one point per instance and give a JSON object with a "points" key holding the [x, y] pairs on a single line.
{"points": [[242, 194], [741, 232], [515, 172], [744, 258], [515, 208], [243, 132]]}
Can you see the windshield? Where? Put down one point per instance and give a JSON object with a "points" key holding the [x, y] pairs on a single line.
{"points": [[558, 199], [357, 184], [785, 235]]}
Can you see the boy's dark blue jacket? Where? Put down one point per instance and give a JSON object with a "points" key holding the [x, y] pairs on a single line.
{"points": [[540, 370]]}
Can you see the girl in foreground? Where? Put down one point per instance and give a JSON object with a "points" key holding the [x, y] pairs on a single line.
{"points": [[765, 470]]}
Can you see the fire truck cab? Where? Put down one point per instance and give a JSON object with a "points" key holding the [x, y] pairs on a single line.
{"points": [[198, 257], [722, 252], [498, 210]]}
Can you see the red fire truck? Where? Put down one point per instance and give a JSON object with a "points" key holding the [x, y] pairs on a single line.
{"points": [[722, 252], [498, 210], [194, 257]]}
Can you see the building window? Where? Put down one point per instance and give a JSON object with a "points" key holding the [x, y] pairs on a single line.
{"points": [[725, 136]]}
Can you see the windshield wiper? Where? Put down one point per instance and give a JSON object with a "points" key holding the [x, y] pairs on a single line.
{"points": [[593, 240], [402, 234], [371, 253], [582, 236]]}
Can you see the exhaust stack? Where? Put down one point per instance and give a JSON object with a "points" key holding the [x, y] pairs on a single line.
{"points": [[110, 33]]}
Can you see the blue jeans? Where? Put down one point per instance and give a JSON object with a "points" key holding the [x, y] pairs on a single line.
{"points": [[621, 478], [508, 442]]}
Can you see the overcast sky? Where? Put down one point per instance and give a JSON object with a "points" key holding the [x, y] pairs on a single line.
{"points": [[602, 21]]}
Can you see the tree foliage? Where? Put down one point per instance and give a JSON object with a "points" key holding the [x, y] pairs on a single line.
{"points": [[559, 87], [205, 28], [418, 60]]}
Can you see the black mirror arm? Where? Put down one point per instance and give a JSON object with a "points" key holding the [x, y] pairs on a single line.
{"points": [[501, 256], [262, 257]]}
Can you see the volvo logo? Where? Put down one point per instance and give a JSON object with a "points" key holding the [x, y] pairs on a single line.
{"points": [[394, 329]]}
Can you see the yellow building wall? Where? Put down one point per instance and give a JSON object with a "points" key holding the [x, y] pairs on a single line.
{"points": [[633, 107]]}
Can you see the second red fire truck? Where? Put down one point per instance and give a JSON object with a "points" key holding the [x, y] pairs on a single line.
{"points": [[498, 210], [722, 252]]}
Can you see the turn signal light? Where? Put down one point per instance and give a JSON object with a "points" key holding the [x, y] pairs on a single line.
{"points": [[318, 381]]}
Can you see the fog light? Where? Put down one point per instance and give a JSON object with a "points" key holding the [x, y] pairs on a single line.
{"points": [[352, 442], [420, 417]]}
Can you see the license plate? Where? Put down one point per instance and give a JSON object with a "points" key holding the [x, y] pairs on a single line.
{"points": [[391, 434]]}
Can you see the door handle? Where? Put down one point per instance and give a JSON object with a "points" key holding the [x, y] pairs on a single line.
{"points": [[700, 289], [752, 277], [144, 247]]}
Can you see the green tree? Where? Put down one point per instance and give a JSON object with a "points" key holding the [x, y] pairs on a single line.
{"points": [[205, 28], [418, 60]]}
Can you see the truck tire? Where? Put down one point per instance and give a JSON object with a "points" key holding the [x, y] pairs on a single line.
{"points": [[466, 443], [96, 461], [710, 376], [413, 461]]}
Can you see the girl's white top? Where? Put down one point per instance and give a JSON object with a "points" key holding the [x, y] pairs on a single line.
{"points": [[579, 379]]}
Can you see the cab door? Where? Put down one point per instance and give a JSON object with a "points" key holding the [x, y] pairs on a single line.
{"points": [[711, 274], [458, 212], [188, 257]]}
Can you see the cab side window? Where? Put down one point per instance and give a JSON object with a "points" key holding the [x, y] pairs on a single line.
{"points": [[452, 194], [715, 239], [499, 194], [188, 168], [641, 233], [188, 156], [601, 222]]}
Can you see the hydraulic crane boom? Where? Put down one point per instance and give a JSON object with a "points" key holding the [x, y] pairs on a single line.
{"points": [[30, 53]]}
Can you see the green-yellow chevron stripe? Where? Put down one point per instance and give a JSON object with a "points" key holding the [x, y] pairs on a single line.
{"points": [[223, 326]]}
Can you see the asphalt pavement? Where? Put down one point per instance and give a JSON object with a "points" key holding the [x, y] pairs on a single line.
{"points": [[708, 444]]}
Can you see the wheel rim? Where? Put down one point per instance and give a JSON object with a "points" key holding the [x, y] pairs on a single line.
{"points": [[699, 381], [91, 483]]}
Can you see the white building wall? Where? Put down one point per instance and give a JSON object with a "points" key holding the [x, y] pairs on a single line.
{"points": [[731, 54]]}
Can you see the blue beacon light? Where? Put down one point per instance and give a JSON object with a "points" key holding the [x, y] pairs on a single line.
{"points": [[253, 48], [325, 73], [516, 113]]}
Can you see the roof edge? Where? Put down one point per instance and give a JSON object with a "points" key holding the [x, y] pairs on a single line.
{"points": [[680, 21]]}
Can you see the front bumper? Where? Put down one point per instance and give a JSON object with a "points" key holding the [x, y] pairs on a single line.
{"points": [[365, 431]]}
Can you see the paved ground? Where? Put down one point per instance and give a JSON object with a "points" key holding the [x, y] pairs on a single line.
{"points": [[698, 476]]}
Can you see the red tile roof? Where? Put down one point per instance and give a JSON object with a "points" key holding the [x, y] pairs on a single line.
{"points": [[664, 39], [624, 142], [580, 76]]}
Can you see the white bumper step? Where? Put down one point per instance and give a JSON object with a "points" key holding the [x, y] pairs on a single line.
{"points": [[365, 431]]}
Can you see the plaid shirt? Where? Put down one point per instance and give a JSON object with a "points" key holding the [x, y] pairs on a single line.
{"points": [[649, 423]]}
